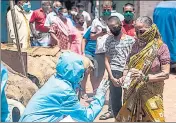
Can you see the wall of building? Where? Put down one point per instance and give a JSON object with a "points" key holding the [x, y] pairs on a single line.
{"points": [[4, 5], [120, 4], [147, 7]]}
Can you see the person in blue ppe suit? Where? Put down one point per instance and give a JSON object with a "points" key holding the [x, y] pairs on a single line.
{"points": [[58, 99], [5, 114]]}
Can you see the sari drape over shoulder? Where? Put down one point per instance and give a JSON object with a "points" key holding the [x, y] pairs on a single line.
{"points": [[143, 101]]}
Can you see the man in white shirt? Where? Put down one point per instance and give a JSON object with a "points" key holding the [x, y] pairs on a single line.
{"points": [[22, 24], [28, 13], [86, 15], [52, 15], [99, 33]]}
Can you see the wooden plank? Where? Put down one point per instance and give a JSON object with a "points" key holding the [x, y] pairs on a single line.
{"points": [[12, 59]]}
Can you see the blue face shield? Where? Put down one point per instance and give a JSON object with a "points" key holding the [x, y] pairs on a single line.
{"points": [[26, 7]]}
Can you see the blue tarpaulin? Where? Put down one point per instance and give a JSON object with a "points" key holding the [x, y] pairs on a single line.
{"points": [[164, 17]]}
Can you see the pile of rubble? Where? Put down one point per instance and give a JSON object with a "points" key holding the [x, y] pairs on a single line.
{"points": [[19, 87], [41, 63]]}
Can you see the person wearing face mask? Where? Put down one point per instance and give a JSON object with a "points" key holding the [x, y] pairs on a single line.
{"points": [[64, 33], [150, 67], [128, 23], [40, 32], [21, 22], [53, 15], [28, 13], [74, 11], [117, 49], [27, 10], [65, 13], [58, 99], [76, 33], [87, 18], [79, 20]]}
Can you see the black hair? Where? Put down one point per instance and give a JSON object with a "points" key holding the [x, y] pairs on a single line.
{"points": [[114, 6], [116, 19], [62, 8], [16, 1], [80, 5], [129, 4], [8, 8], [74, 7]]}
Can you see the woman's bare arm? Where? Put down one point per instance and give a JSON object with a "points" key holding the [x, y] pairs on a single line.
{"points": [[53, 36], [108, 68], [163, 75], [94, 36]]}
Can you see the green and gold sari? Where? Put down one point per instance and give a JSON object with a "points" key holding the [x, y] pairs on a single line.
{"points": [[143, 101]]}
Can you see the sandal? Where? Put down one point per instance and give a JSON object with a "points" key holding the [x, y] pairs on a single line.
{"points": [[106, 116]]}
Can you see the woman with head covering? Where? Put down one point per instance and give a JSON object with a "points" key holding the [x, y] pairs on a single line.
{"points": [[58, 99], [148, 67]]}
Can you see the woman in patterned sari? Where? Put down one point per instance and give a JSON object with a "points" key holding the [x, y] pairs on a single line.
{"points": [[149, 67]]}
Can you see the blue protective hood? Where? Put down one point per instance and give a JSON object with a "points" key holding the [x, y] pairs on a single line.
{"points": [[165, 18], [4, 77], [57, 98], [70, 67], [4, 104]]}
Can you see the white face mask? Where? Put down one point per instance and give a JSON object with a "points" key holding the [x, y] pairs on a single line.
{"points": [[74, 13]]}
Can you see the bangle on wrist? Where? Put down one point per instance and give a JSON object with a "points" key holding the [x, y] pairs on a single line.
{"points": [[146, 78]]}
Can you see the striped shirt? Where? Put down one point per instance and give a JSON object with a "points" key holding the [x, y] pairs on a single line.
{"points": [[118, 51]]}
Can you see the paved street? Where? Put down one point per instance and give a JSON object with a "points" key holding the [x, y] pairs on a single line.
{"points": [[169, 101]]}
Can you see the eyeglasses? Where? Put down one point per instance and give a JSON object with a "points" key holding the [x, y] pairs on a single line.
{"points": [[106, 10], [128, 11]]}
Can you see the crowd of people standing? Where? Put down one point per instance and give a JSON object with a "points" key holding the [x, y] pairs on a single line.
{"points": [[118, 46]]}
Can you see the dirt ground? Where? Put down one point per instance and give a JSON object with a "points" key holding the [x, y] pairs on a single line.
{"points": [[169, 101]]}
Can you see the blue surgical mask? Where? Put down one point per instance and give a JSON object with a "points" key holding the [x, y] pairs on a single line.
{"points": [[57, 9], [65, 14], [26, 7]]}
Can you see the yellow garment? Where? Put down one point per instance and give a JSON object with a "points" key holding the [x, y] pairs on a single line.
{"points": [[28, 30], [22, 27], [143, 101]]}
